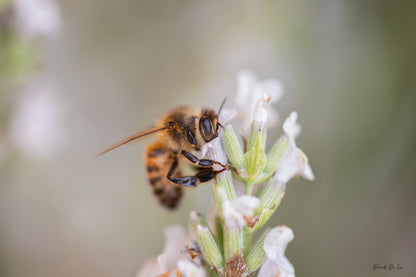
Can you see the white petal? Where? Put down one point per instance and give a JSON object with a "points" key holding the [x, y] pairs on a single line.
{"points": [[150, 268], [294, 161], [175, 242], [273, 117], [215, 151], [276, 242], [291, 164], [236, 211], [272, 269], [246, 81], [273, 88], [189, 269], [268, 269], [275, 245], [260, 113], [249, 91], [307, 170], [37, 121], [291, 128], [226, 115], [38, 17]]}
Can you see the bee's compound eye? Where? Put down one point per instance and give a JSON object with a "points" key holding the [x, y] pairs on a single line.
{"points": [[205, 126]]}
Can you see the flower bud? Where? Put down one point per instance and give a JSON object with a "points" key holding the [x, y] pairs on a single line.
{"points": [[233, 242], [275, 155], [270, 198], [196, 219], [215, 151], [259, 122], [255, 158], [209, 247], [220, 195], [232, 147]]}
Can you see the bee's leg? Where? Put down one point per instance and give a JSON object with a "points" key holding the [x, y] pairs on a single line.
{"points": [[203, 174], [202, 162], [206, 174], [188, 181]]}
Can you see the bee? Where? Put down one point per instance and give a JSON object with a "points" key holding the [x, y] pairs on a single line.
{"points": [[179, 132]]}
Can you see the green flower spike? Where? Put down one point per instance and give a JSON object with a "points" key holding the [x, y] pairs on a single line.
{"points": [[230, 251]]}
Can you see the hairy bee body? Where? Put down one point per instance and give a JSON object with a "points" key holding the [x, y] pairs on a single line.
{"points": [[179, 132], [183, 119], [161, 154], [159, 158]]}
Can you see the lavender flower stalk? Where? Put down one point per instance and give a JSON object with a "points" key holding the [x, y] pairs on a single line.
{"points": [[225, 248]]}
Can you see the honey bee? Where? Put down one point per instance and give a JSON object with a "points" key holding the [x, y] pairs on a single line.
{"points": [[179, 132]]}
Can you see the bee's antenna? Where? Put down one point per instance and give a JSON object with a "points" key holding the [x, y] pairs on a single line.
{"points": [[222, 105], [131, 138]]}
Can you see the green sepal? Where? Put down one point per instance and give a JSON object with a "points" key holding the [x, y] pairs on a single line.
{"points": [[256, 128], [219, 232], [256, 256], [275, 155], [255, 159], [270, 198], [233, 242], [209, 247], [232, 147], [220, 195]]}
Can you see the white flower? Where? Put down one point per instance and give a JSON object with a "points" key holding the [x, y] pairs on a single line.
{"points": [[150, 268], [175, 242], [249, 91], [190, 269], [173, 261], [226, 115], [37, 121], [275, 243], [260, 111], [294, 161], [38, 18], [237, 211], [214, 150]]}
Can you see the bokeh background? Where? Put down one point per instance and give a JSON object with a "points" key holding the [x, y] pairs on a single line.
{"points": [[77, 76]]}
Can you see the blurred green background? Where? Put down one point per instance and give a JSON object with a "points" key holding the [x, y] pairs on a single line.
{"points": [[113, 67]]}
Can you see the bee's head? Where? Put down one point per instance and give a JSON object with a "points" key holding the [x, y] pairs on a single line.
{"points": [[208, 124]]}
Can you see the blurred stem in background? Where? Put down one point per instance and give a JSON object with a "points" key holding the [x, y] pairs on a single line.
{"points": [[30, 109], [17, 55], [17, 60]]}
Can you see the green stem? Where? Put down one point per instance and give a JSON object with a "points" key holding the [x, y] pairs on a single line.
{"points": [[249, 187]]}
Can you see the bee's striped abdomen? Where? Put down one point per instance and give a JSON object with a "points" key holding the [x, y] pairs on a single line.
{"points": [[159, 160]]}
